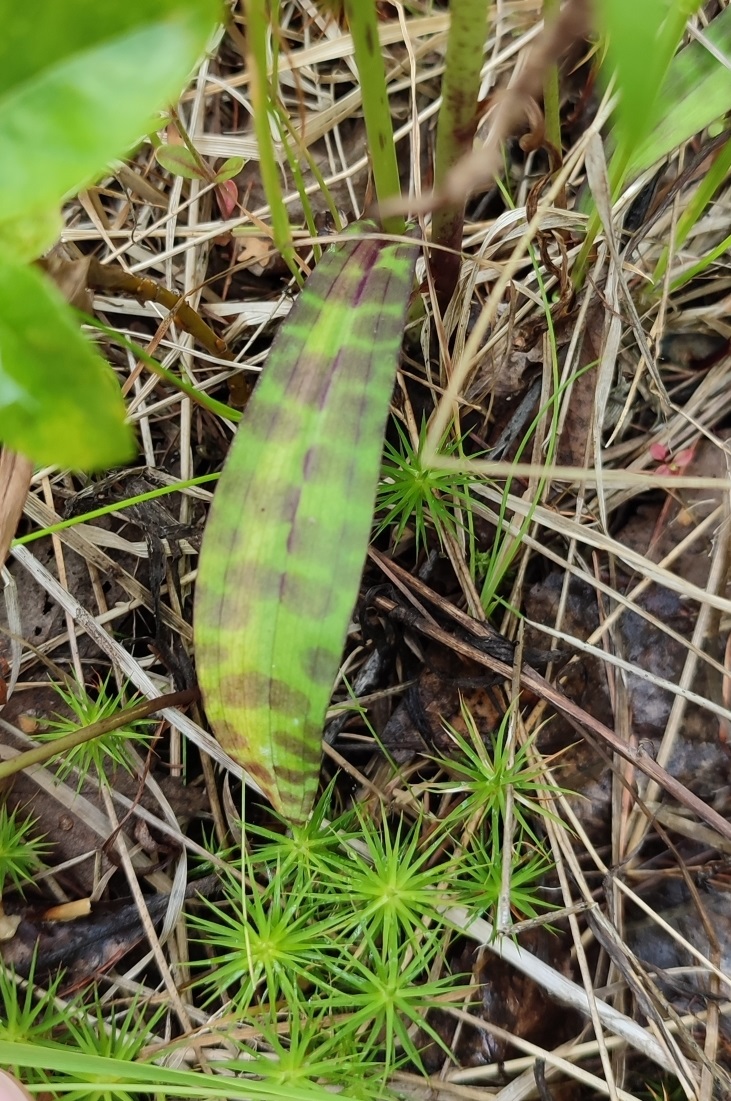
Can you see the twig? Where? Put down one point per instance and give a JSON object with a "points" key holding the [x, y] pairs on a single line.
{"points": [[126, 715]]}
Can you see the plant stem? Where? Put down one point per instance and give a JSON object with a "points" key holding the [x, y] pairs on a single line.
{"points": [[363, 25], [115, 278], [552, 106], [257, 26], [115, 506], [218, 408], [124, 716], [455, 132]]}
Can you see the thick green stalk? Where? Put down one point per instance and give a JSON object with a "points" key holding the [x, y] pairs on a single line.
{"points": [[361, 15], [257, 25], [552, 101], [456, 130], [125, 715]]}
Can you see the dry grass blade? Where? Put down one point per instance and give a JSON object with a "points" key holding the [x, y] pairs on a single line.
{"points": [[15, 476]]}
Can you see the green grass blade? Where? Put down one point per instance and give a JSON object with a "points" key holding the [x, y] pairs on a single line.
{"points": [[115, 506], [119, 1075], [701, 265], [695, 206], [696, 91], [288, 529], [363, 23], [263, 103]]}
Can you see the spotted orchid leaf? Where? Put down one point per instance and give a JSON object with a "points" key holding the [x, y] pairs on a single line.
{"points": [[288, 530]]}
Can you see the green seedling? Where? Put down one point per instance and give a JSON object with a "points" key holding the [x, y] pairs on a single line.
{"points": [[100, 755], [484, 773], [395, 884], [29, 1016], [21, 850], [288, 530], [61, 1063], [480, 878], [185, 161], [413, 494], [181, 161], [312, 1052], [342, 921], [267, 943], [121, 1037], [386, 999]]}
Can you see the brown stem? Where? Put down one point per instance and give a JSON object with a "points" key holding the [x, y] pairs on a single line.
{"points": [[15, 475], [43, 753], [108, 277], [455, 134], [482, 164]]}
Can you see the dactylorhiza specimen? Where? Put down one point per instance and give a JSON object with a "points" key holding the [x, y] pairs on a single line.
{"points": [[287, 532]]}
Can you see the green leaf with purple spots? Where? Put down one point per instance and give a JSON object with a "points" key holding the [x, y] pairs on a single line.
{"points": [[288, 530]]}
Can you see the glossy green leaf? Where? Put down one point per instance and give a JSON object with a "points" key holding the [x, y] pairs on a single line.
{"points": [[288, 530], [230, 168], [80, 81], [59, 401], [179, 160], [31, 235]]}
